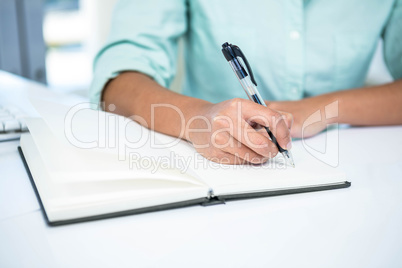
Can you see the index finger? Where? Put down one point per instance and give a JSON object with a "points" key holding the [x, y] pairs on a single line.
{"points": [[267, 117]]}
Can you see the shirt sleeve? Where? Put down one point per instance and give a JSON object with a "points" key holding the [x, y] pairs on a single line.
{"points": [[143, 37], [392, 37]]}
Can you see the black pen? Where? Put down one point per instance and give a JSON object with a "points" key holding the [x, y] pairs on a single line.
{"points": [[234, 56]]}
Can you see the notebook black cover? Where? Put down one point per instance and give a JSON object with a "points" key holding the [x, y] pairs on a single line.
{"points": [[199, 201]]}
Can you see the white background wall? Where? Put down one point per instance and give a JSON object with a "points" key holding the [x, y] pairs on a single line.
{"points": [[98, 14]]}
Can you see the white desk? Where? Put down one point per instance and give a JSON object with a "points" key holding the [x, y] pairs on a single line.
{"points": [[355, 227]]}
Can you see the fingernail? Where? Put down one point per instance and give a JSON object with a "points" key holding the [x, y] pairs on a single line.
{"points": [[289, 146]]}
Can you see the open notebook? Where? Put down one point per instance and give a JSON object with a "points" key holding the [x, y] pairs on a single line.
{"points": [[87, 165]]}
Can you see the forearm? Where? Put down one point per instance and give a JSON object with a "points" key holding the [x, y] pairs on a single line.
{"points": [[378, 105], [135, 94]]}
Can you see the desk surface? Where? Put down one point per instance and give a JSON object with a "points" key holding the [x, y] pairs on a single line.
{"points": [[355, 227]]}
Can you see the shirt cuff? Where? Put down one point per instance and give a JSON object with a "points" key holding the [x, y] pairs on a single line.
{"points": [[112, 61]]}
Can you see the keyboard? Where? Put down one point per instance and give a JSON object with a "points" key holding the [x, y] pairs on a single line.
{"points": [[12, 123], [15, 105]]}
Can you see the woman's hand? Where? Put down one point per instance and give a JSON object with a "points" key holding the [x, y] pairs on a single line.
{"points": [[229, 132], [371, 106]]}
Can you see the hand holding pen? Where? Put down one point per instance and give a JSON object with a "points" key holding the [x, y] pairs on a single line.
{"points": [[225, 132], [229, 137], [235, 57]]}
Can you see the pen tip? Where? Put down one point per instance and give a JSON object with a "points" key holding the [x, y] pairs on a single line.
{"points": [[291, 162], [289, 158]]}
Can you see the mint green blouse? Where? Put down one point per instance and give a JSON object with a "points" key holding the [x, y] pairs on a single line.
{"points": [[296, 48]]}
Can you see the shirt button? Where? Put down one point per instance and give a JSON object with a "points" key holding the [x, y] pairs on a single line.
{"points": [[294, 35], [294, 90]]}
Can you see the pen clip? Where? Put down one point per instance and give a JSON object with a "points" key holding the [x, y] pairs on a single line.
{"points": [[237, 51]]}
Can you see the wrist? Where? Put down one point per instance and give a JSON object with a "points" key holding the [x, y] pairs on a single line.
{"points": [[330, 108], [195, 118]]}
